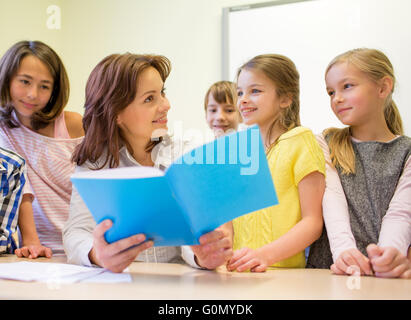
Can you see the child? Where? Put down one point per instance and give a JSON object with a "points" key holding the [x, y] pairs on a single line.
{"points": [[13, 178], [34, 90], [12, 211], [125, 121], [220, 105], [367, 199], [268, 95]]}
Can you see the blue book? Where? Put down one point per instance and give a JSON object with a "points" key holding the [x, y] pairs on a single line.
{"points": [[200, 191]]}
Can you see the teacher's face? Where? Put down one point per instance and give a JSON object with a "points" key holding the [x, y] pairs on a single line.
{"points": [[146, 116]]}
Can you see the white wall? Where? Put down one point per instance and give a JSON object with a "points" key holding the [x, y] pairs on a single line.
{"points": [[188, 32], [312, 33]]}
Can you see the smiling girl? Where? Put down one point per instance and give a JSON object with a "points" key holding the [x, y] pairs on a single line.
{"points": [[34, 91], [367, 198], [268, 95]]}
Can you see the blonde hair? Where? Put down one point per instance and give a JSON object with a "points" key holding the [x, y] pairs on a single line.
{"points": [[376, 65], [222, 92], [283, 72]]}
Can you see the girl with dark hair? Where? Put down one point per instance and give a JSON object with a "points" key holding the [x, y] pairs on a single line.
{"points": [[34, 90]]}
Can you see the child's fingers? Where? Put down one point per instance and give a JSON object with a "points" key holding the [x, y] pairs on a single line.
{"points": [[388, 257], [48, 253], [248, 265], [237, 255], [259, 268], [18, 253], [34, 252], [340, 264], [393, 273], [25, 252], [336, 270], [349, 261], [363, 262], [406, 274], [373, 251], [354, 262], [386, 268]]}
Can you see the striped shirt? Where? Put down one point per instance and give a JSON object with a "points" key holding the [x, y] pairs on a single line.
{"points": [[49, 168], [13, 178]]}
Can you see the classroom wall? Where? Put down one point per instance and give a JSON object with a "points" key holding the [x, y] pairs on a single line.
{"points": [[188, 32]]}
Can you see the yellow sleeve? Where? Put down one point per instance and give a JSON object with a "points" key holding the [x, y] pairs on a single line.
{"points": [[307, 156]]}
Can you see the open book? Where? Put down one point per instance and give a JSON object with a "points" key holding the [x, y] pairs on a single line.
{"points": [[201, 190]]}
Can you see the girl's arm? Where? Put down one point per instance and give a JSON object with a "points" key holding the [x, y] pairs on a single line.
{"points": [[309, 228], [74, 124], [31, 246], [335, 208], [396, 224], [346, 256], [306, 231]]}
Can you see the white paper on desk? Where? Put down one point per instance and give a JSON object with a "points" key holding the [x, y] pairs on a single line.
{"points": [[55, 272]]}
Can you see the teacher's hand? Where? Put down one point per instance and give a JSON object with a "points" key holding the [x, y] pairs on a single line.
{"points": [[118, 255], [215, 247]]}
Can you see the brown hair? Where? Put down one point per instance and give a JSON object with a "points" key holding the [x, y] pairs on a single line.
{"points": [[375, 65], [283, 72], [9, 64], [111, 87], [222, 92]]}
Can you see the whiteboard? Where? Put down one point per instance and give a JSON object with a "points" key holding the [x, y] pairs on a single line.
{"points": [[312, 33]]}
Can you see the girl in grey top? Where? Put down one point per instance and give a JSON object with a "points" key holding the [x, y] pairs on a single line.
{"points": [[371, 156]]}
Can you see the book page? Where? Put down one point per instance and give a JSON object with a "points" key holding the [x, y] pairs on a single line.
{"points": [[120, 173], [55, 273]]}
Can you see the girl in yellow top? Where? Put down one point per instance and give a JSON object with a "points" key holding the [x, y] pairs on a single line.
{"points": [[268, 95]]}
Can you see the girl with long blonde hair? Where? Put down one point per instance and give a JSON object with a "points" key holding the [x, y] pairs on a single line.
{"points": [[367, 208]]}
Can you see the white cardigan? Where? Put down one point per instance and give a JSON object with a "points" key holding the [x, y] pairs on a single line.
{"points": [[78, 230]]}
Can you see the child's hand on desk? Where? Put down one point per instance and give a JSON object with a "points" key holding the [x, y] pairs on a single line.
{"points": [[389, 262], [33, 251], [248, 259], [118, 255], [350, 262], [215, 248]]}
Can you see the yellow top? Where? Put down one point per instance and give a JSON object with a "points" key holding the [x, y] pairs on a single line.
{"points": [[295, 155]]}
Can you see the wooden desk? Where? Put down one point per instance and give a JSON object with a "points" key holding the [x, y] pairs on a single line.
{"points": [[180, 282]]}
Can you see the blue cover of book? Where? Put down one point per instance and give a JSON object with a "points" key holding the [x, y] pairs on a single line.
{"points": [[203, 189]]}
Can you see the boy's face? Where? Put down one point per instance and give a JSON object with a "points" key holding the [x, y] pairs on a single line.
{"points": [[221, 117]]}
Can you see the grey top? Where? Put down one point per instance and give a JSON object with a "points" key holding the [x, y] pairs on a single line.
{"points": [[368, 192]]}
